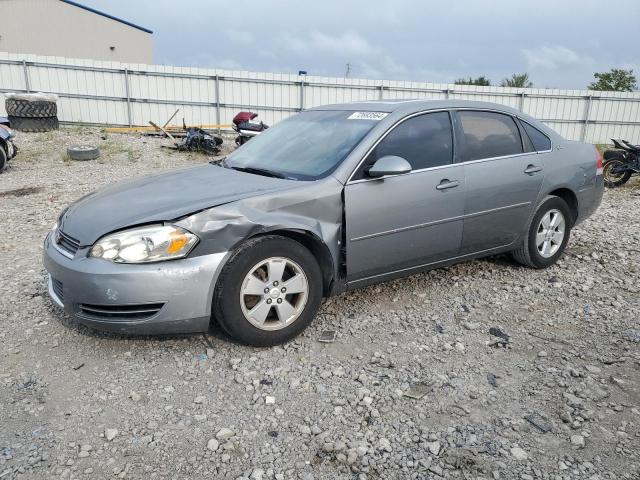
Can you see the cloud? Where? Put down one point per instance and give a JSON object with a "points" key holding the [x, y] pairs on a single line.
{"points": [[553, 57], [349, 43]]}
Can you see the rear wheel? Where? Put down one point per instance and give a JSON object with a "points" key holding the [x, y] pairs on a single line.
{"points": [[547, 236], [614, 173], [268, 292]]}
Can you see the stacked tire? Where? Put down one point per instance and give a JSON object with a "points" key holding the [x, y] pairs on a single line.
{"points": [[32, 112]]}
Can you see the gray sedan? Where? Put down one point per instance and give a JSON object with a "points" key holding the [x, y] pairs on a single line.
{"points": [[332, 199]]}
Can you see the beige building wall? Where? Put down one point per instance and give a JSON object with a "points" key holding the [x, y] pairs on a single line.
{"points": [[52, 27]]}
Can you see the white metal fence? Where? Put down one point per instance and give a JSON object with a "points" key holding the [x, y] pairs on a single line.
{"points": [[109, 93]]}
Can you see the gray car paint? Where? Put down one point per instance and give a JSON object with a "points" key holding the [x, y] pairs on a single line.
{"points": [[392, 226]]}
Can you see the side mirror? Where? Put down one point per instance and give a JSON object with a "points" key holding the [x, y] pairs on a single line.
{"points": [[389, 165]]}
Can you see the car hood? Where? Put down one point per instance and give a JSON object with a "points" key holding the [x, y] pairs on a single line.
{"points": [[161, 197]]}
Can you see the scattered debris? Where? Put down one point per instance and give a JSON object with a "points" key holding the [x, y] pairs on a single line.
{"points": [[79, 366], [198, 140], [492, 379], [496, 332], [418, 390], [540, 422], [328, 336]]}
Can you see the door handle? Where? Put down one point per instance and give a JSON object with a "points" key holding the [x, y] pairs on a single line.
{"points": [[531, 169], [446, 183]]}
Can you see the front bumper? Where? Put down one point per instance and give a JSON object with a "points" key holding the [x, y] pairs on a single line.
{"points": [[156, 298]]}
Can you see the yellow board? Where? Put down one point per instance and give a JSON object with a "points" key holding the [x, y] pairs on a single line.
{"points": [[170, 128]]}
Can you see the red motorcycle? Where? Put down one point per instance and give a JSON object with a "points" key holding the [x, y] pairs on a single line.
{"points": [[247, 128]]}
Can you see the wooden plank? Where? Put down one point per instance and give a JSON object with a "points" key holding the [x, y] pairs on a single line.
{"points": [[162, 129]]}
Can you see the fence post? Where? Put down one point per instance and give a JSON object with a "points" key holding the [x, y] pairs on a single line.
{"points": [[126, 89], [301, 94], [587, 114], [381, 95], [446, 93], [521, 107], [217, 79], [25, 69]]}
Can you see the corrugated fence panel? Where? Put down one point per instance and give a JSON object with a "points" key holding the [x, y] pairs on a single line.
{"points": [[111, 93]]}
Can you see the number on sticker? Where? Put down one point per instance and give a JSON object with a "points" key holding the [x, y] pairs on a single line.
{"points": [[377, 116]]}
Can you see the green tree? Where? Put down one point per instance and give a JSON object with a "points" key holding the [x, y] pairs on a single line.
{"points": [[520, 80], [481, 81], [617, 80]]}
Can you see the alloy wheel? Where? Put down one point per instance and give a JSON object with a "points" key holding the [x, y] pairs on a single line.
{"points": [[274, 293], [551, 232]]}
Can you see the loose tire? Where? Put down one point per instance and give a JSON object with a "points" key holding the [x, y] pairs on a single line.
{"points": [[268, 292], [547, 235], [612, 179], [24, 124], [30, 109], [83, 152]]}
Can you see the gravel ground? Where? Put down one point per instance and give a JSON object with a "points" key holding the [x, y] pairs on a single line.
{"points": [[560, 399]]}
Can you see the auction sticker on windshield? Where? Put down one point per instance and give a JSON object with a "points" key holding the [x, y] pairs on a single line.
{"points": [[367, 116]]}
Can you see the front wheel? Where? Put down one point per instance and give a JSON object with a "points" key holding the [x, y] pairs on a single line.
{"points": [[268, 292], [614, 173], [547, 236]]}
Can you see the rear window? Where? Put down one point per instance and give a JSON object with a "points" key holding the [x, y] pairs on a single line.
{"points": [[538, 139], [489, 134]]}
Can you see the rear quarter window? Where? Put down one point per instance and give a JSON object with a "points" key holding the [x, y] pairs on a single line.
{"points": [[538, 139]]}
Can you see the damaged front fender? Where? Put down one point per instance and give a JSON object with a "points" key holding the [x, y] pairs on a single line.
{"points": [[315, 209]]}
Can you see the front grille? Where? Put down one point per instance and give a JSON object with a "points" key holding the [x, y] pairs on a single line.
{"points": [[66, 243], [120, 312], [56, 286]]}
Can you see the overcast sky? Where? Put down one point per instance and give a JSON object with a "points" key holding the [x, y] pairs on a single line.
{"points": [[560, 43]]}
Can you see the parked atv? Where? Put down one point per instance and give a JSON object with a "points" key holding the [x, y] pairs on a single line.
{"points": [[8, 150], [621, 163]]}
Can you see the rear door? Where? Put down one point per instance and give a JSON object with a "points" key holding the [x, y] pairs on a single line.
{"points": [[399, 222], [503, 179]]}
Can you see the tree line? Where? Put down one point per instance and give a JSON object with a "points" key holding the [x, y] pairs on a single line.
{"points": [[617, 80]]}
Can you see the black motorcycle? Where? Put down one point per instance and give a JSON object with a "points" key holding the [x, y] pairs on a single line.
{"points": [[621, 163]]}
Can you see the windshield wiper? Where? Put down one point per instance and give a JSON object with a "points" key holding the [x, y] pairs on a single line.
{"points": [[260, 171]]}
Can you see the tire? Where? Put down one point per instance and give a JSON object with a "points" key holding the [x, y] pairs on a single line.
{"points": [[230, 300], [528, 253], [30, 109], [614, 180], [3, 158], [24, 124], [83, 152]]}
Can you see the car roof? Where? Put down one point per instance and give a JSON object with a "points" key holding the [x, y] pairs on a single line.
{"points": [[414, 105]]}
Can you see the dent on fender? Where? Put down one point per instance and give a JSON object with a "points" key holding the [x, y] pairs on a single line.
{"points": [[316, 210]]}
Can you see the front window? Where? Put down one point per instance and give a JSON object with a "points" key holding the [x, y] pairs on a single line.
{"points": [[306, 146]]}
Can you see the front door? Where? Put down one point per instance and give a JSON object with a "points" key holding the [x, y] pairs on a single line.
{"points": [[395, 223]]}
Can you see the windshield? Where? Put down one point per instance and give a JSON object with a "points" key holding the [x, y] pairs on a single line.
{"points": [[306, 146]]}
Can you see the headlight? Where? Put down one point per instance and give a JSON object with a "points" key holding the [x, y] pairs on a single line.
{"points": [[145, 244]]}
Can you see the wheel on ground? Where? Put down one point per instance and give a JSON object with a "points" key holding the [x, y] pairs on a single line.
{"points": [[30, 108], [547, 235], [83, 152], [612, 176], [24, 124], [268, 292]]}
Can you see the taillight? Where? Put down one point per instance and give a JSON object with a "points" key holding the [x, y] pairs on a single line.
{"points": [[598, 161]]}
